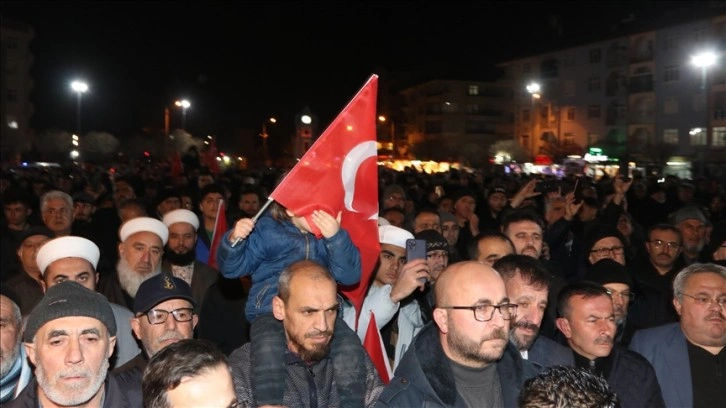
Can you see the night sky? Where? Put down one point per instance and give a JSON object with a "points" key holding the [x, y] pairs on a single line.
{"points": [[240, 62]]}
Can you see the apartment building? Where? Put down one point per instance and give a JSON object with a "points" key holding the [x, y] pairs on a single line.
{"points": [[15, 87]]}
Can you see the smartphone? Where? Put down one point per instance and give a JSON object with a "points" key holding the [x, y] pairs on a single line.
{"points": [[546, 186], [578, 191], [415, 249]]}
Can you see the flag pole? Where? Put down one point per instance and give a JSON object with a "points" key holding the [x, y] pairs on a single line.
{"points": [[254, 219]]}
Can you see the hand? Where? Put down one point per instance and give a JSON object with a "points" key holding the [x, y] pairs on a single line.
{"points": [[571, 208], [328, 225], [527, 191], [554, 194], [474, 224], [413, 275], [621, 188], [242, 229]]}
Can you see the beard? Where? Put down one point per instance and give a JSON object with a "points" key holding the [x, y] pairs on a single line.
{"points": [[8, 359], [73, 394], [180, 259], [161, 341], [470, 349], [129, 279], [315, 353], [523, 341]]}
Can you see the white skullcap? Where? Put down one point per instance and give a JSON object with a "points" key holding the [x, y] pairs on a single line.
{"points": [[383, 221], [67, 247], [172, 217], [388, 234], [144, 224]]}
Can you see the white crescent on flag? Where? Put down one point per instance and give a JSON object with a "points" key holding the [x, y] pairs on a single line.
{"points": [[349, 170]]}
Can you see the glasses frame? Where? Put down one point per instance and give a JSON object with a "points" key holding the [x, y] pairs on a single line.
{"points": [[721, 303], [615, 250], [630, 294], [671, 246], [512, 306], [174, 313]]}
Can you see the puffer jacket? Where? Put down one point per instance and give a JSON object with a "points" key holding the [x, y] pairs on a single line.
{"points": [[274, 245]]}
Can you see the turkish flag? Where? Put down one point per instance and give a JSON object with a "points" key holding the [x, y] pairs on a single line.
{"points": [[373, 343], [339, 174], [220, 227]]}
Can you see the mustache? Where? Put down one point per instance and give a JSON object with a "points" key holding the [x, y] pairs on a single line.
{"points": [[498, 334], [524, 324], [170, 335], [73, 372], [604, 340], [319, 333], [716, 315]]}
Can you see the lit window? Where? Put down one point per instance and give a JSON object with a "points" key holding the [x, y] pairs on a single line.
{"points": [[670, 136], [719, 136], [697, 136], [473, 90]]}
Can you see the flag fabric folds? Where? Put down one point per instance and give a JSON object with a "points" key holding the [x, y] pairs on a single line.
{"points": [[339, 174], [220, 227], [373, 343]]}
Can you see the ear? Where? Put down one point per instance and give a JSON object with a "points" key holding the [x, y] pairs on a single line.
{"points": [[278, 308], [111, 345], [121, 248], [43, 286], [97, 275], [564, 325], [136, 326], [195, 320], [441, 319], [30, 352], [678, 305], [289, 213]]}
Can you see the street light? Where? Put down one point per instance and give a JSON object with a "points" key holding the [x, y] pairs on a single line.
{"points": [[264, 137], [184, 104], [80, 88], [704, 60]]}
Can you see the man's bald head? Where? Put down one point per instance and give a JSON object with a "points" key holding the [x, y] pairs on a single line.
{"points": [[455, 279], [307, 269]]}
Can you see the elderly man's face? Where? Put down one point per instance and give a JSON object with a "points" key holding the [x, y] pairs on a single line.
{"points": [[58, 216], [438, 260], [620, 293], [608, 248], [155, 337], [532, 302], [9, 335], [70, 355], [140, 258], [308, 316], [465, 339], [693, 235], [590, 326], [703, 323]]}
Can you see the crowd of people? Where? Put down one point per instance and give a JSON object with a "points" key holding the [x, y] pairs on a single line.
{"points": [[533, 292]]}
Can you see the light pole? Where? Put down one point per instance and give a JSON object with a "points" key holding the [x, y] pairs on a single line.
{"points": [[184, 104], [534, 89], [264, 137], [80, 88], [704, 60]]}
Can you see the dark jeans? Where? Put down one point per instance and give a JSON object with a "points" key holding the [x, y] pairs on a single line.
{"points": [[268, 343]]}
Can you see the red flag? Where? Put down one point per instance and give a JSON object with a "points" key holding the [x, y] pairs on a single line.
{"points": [[176, 165], [339, 174], [220, 227], [373, 343], [212, 162]]}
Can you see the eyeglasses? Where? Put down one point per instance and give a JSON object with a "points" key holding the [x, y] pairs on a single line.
{"points": [[626, 294], [616, 250], [158, 316], [707, 301], [484, 313], [658, 244]]}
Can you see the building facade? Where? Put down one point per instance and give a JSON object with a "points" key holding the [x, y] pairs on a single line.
{"points": [[16, 85], [636, 96], [453, 120]]}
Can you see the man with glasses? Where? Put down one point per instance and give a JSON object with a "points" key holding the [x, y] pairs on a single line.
{"points": [[689, 356], [464, 357], [692, 224], [587, 320], [164, 314], [653, 277]]}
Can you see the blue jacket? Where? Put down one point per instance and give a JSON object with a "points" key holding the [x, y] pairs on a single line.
{"points": [[274, 245], [424, 377], [666, 349]]}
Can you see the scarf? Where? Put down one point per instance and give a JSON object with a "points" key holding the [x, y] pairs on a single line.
{"points": [[10, 381]]}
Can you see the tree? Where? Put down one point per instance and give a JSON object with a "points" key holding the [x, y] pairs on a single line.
{"points": [[99, 146], [511, 148]]}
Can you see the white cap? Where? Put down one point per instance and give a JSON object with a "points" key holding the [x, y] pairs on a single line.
{"points": [[388, 234], [144, 224], [172, 217], [383, 221], [67, 247]]}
